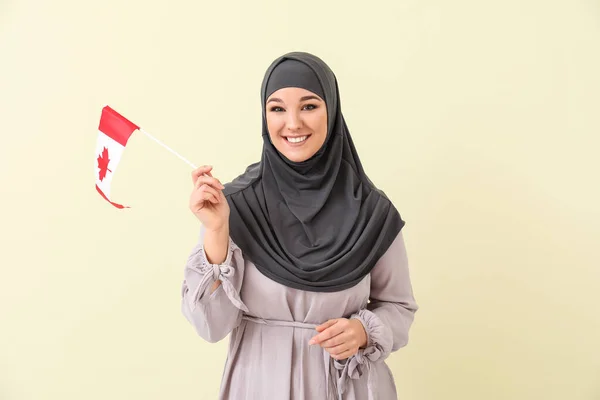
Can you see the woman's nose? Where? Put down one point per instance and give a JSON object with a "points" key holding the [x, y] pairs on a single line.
{"points": [[294, 122]]}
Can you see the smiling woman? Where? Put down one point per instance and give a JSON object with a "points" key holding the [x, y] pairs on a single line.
{"points": [[296, 114], [301, 258], [297, 122]]}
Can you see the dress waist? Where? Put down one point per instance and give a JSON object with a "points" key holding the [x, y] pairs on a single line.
{"points": [[336, 372], [275, 322]]}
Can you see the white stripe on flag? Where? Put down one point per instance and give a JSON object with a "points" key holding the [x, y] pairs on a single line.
{"points": [[114, 151]]}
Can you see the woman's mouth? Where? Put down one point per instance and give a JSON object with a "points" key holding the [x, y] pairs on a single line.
{"points": [[296, 140]]}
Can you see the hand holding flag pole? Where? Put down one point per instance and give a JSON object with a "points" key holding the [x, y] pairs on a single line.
{"points": [[114, 132]]}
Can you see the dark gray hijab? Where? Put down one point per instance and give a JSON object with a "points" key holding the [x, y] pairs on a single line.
{"points": [[318, 225]]}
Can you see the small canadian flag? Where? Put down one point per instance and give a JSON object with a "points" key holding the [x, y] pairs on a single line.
{"points": [[114, 132]]}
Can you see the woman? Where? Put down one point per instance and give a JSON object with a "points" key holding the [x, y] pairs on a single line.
{"points": [[301, 258]]}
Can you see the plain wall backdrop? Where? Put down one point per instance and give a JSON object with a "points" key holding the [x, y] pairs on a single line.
{"points": [[480, 120]]}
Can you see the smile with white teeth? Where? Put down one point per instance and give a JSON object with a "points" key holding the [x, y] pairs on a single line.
{"points": [[296, 139]]}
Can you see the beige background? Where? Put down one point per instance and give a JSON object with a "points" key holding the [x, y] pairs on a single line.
{"points": [[479, 119]]}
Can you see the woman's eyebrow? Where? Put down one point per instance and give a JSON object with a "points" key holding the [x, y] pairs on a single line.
{"points": [[311, 97], [304, 98]]}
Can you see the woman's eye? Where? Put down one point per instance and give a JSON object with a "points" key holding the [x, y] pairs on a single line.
{"points": [[276, 109], [310, 106]]}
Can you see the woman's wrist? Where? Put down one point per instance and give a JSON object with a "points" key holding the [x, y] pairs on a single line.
{"points": [[216, 244]]}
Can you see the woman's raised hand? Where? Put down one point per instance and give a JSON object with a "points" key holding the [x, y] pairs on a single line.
{"points": [[207, 201]]}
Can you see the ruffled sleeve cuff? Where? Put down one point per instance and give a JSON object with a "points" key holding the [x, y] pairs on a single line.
{"points": [[379, 346], [379, 336], [209, 273]]}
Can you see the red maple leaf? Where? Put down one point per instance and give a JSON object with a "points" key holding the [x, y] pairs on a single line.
{"points": [[103, 161]]}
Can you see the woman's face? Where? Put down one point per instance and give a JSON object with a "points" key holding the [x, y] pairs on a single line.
{"points": [[297, 122]]}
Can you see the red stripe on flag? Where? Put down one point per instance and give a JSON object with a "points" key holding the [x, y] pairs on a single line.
{"points": [[116, 126], [107, 199]]}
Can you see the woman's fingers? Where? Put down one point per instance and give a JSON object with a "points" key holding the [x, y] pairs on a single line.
{"points": [[203, 179], [333, 329], [201, 200], [339, 349], [206, 189], [340, 339], [209, 180], [326, 325], [210, 197], [205, 169]]}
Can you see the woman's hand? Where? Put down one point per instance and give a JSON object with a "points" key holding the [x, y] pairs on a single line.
{"points": [[341, 337], [207, 201]]}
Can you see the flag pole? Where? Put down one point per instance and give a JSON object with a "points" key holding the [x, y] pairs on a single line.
{"points": [[168, 148]]}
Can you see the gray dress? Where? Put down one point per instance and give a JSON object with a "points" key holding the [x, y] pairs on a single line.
{"points": [[270, 324]]}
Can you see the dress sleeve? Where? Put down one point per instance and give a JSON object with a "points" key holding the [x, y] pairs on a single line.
{"points": [[215, 315], [390, 312]]}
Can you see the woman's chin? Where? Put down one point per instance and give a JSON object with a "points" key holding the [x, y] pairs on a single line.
{"points": [[297, 156]]}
